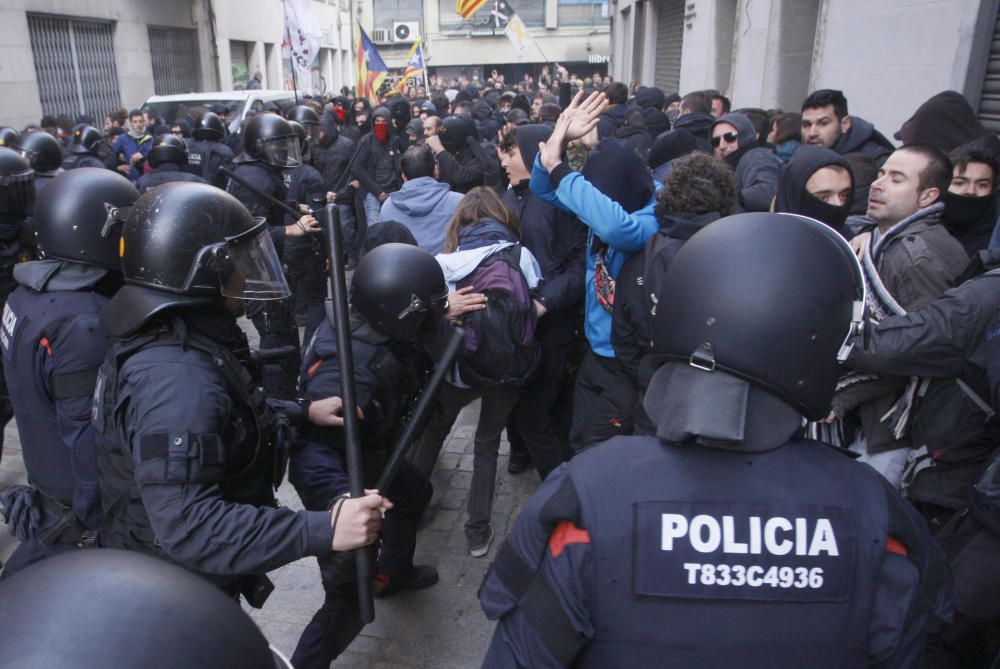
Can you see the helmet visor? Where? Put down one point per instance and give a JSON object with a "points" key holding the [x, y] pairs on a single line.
{"points": [[17, 193], [256, 270], [282, 151]]}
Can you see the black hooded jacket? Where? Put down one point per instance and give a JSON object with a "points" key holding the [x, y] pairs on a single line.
{"points": [[757, 168], [946, 121], [558, 241], [864, 138], [332, 154], [377, 164], [793, 198], [699, 125]]}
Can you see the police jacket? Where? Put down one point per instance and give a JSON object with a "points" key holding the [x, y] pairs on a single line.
{"points": [[303, 185], [790, 557], [53, 344], [205, 157], [387, 377], [42, 179], [186, 452], [166, 173], [331, 160], [268, 180], [558, 241]]}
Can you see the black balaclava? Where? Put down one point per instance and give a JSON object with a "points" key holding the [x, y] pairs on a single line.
{"points": [[528, 137], [670, 145], [946, 121], [792, 196], [615, 169]]}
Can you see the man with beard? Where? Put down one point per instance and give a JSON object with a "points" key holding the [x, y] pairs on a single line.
{"points": [[825, 122], [734, 139]]}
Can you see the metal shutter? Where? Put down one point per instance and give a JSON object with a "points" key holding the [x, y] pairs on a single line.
{"points": [[175, 60], [989, 103], [74, 65], [669, 40]]}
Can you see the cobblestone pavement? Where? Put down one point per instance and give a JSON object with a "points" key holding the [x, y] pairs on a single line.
{"points": [[441, 627]]}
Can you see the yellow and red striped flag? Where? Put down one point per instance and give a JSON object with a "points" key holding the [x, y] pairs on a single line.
{"points": [[468, 7]]}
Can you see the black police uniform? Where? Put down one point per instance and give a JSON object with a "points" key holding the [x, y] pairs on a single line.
{"points": [[387, 378], [166, 173], [76, 160], [205, 157], [275, 322], [42, 179], [184, 434], [304, 256], [53, 344]]}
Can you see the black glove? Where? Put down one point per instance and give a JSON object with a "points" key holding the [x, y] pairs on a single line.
{"points": [[21, 511]]}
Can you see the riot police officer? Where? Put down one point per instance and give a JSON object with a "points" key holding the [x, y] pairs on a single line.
{"points": [[726, 540], [270, 146], [17, 199], [304, 256], [45, 155], [168, 156], [207, 152], [10, 137], [189, 449], [53, 344], [120, 610], [84, 147], [397, 293], [308, 118]]}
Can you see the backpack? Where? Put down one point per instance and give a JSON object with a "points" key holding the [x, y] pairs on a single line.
{"points": [[500, 350]]}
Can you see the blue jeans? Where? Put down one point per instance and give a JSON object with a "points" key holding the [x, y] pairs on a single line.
{"points": [[373, 209]]}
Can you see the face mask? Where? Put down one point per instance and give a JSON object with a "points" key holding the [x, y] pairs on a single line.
{"points": [[381, 133], [341, 114], [832, 215], [966, 210], [673, 115]]}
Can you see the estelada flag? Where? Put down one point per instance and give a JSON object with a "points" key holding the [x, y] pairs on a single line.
{"points": [[468, 7], [371, 68], [414, 64]]}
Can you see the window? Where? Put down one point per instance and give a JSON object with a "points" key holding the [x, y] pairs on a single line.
{"points": [[582, 12], [239, 58], [175, 60], [74, 65], [387, 12]]}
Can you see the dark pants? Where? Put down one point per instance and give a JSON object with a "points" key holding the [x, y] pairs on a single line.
{"points": [[603, 402], [535, 424], [319, 474], [275, 323], [493, 414]]}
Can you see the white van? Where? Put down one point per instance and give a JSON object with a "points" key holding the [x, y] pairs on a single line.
{"points": [[192, 105]]}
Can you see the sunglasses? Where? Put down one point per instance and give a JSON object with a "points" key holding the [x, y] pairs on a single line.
{"points": [[730, 137]]}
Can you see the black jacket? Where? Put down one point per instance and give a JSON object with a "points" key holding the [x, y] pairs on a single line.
{"points": [[558, 241], [864, 138], [611, 120], [699, 125], [377, 165]]}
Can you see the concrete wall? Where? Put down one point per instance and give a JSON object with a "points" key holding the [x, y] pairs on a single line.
{"points": [[260, 22]]}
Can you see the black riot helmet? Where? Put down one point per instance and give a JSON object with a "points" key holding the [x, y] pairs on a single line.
{"points": [[209, 126], [17, 189], [168, 149], [304, 115], [76, 218], [395, 286], [117, 609], [454, 132], [42, 150], [85, 139], [196, 240], [10, 137], [770, 298], [270, 139]]}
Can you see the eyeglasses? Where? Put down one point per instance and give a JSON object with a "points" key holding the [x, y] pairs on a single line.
{"points": [[730, 137]]}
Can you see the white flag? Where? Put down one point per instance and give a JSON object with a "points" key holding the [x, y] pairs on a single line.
{"points": [[302, 38], [517, 33]]}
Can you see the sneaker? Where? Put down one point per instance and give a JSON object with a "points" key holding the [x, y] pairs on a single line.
{"points": [[519, 462], [482, 548], [422, 576]]}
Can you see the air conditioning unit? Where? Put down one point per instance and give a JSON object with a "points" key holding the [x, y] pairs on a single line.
{"points": [[405, 31], [382, 36]]}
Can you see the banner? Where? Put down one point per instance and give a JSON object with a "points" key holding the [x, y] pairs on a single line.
{"points": [[513, 26], [302, 40]]}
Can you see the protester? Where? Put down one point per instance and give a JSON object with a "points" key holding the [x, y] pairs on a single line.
{"points": [[734, 140]]}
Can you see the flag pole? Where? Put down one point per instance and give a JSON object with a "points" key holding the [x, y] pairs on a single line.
{"points": [[291, 62], [427, 87]]}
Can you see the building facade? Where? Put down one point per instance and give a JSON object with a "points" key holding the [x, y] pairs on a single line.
{"points": [[73, 58], [574, 33], [887, 57]]}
